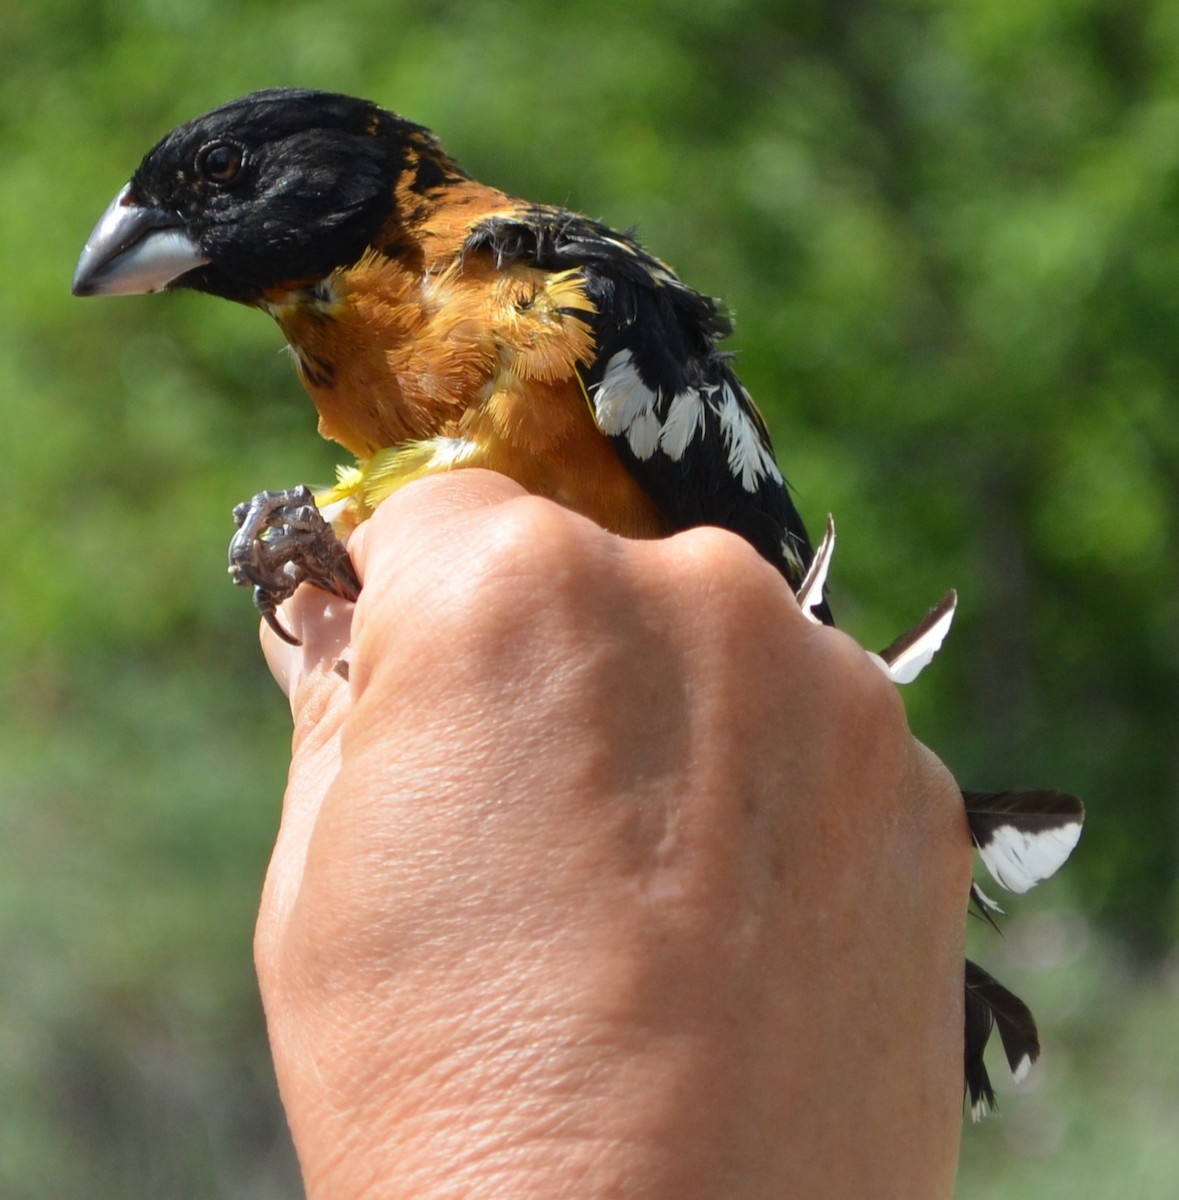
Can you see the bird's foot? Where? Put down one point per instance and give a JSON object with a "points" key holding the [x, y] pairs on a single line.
{"points": [[282, 540]]}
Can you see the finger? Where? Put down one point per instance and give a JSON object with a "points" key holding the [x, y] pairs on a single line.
{"points": [[323, 625], [314, 676]]}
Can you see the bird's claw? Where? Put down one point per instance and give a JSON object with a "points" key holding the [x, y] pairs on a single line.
{"points": [[282, 540]]}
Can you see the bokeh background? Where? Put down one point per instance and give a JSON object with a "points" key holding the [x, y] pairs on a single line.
{"points": [[950, 235]]}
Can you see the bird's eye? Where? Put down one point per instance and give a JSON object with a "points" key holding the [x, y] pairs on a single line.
{"points": [[219, 162]]}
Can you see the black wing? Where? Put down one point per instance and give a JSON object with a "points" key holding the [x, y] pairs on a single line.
{"points": [[661, 391]]}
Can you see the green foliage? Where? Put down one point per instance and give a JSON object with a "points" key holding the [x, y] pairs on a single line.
{"points": [[950, 233]]}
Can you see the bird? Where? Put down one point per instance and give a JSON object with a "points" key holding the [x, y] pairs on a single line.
{"points": [[440, 323]]}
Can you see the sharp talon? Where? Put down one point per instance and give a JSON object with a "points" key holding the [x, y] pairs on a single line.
{"points": [[271, 618]]}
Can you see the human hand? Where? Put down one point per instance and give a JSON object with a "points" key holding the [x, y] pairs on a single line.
{"points": [[603, 873]]}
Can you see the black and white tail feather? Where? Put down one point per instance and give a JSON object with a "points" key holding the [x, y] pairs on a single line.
{"points": [[990, 1005], [1022, 837]]}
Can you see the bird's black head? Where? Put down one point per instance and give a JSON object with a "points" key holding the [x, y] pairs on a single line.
{"points": [[279, 187]]}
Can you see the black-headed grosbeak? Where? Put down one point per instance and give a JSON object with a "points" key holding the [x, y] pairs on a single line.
{"points": [[439, 323]]}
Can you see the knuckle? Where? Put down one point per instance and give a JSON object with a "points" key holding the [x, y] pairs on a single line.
{"points": [[725, 574]]}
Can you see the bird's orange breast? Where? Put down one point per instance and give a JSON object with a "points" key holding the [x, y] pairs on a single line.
{"points": [[396, 353]]}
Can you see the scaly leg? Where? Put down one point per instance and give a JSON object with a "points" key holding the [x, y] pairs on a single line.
{"points": [[282, 540]]}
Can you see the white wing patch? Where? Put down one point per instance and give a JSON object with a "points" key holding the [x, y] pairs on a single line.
{"points": [[749, 459], [643, 435], [624, 406], [685, 420], [622, 399]]}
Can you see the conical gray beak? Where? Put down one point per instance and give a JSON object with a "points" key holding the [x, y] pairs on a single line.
{"points": [[134, 249]]}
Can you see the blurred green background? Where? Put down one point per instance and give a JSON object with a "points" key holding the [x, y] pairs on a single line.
{"points": [[950, 234]]}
